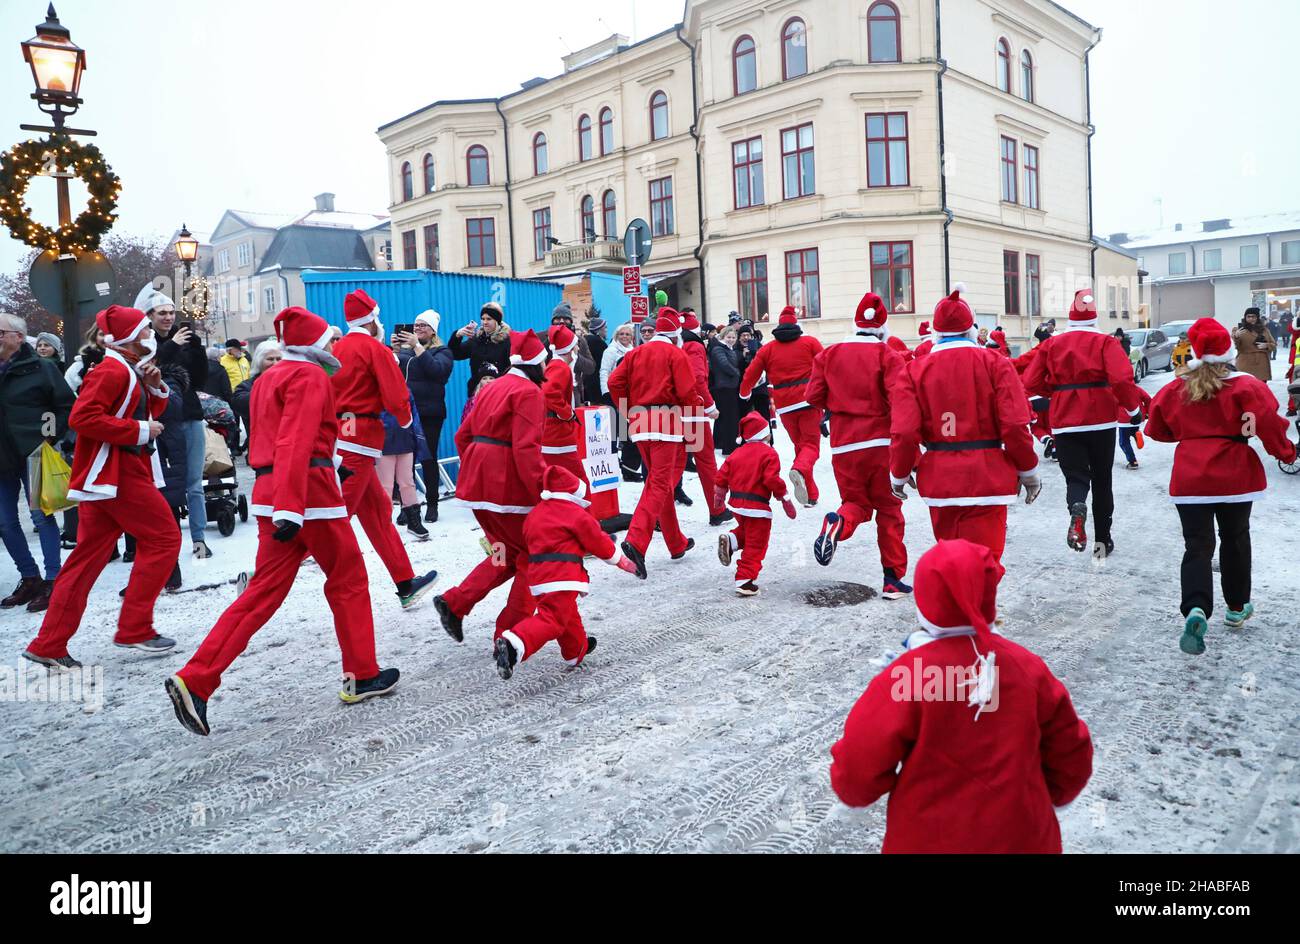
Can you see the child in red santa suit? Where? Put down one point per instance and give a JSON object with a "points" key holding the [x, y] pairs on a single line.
{"points": [[787, 360], [1212, 411], [854, 380], [752, 474], [971, 735], [927, 340], [557, 539], [116, 475]]}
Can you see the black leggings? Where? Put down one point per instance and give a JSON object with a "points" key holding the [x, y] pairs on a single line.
{"points": [[429, 467], [1087, 460], [1234, 554]]}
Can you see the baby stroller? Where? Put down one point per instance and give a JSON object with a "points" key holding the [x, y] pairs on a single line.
{"points": [[221, 498]]}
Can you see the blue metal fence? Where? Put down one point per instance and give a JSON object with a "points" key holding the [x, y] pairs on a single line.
{"points": [[457, 297]]}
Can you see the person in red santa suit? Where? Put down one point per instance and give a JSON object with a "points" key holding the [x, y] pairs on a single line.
{"points": [[500, 480], [368, 383], [115, 476], [788, 364], [899, 347], [965, 404], [651, 386], [698, 420], [560, 427], [300, 513], [1040, 426], [927, 340], [1212, 411], [854, 380], [1088, 377], [752, 475], [979, 766], [557, 540]]}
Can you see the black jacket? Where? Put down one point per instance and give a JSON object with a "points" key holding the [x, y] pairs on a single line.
{"points": [[172, 444], [240, 397], [193, 359], [218, 383], [480, 348], [724, 366], [31, 391], [426, 377], [591, 381]]}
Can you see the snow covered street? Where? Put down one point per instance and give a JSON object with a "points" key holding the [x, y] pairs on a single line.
{"points": [[702, 723]]}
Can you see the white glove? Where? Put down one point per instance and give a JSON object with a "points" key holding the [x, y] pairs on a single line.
{"points": [[1032, 484]]}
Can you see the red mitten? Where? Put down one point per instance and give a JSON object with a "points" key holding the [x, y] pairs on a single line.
{"points": [[788, 505], [719, 498]]}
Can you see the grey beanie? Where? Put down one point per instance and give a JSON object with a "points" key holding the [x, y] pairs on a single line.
{"points": [[562, 310], [53, 340]]}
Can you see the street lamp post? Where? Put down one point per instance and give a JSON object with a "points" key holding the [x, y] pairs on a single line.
{"points": [[187, 251]]}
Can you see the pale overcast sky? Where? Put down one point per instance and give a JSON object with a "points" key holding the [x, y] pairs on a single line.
{"points": [[261, 105]]}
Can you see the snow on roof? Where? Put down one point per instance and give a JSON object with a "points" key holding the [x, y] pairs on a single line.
{"points": [[1220, 229], [342, 219], [264, 220]]}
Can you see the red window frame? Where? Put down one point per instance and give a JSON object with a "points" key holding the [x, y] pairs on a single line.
{"points": [[749, 285], [587, 211], [1011, 281], [1004, 65], [800, 278], [477, 152], [409, 260], [753, 168], [658, 103], [408, 182], [429, 181], [541, 230], [797, 154], [1033, 285], [661, 207], [1010, 170], [432, 251], [885, 142], [736, 53], [584, 138], [1031, 176], [890, 270], [483, 232], [789, 40], [609, 214], [885, 12], [1027, 75], [540, 148], [606, 123]]}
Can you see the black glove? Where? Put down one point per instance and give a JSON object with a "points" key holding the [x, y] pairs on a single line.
{"points": [[345, 473], [286, 531], [826, 426]]}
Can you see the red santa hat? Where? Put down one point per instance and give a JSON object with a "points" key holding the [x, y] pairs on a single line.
{"points": [[788, 316], [754, 428], [563, 340], [690, 321], [121, 325], [952, 315], [1084, 310], [924, 329], [558, 483], [1211, 343], [297, 327], [526, 349], [956, 588], [871, 314], [669, 323], [359, 309]]}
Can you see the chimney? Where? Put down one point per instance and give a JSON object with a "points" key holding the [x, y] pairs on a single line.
{"points": [[1178, 227], [1213, 226], [324, 203], [1118, 239]]}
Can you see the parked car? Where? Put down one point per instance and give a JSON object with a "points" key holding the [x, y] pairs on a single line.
{"points": [[1151, 350], [1176, 329]]}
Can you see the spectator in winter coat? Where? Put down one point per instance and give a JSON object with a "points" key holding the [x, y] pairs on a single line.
{"points": [[427, 364], [1254, 345], [91, 354], [34, 405], [265, 356], [488, 341], [218, 384], [1124, 341], [235, 362], [748, 345], [585, 363], [629, 456], [724, 385], [50, 347], [596, 344]]}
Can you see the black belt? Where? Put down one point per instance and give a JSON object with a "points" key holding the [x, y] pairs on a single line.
{"points": [[556, 416], [750, 496], [555, 558], [963, 446], [791, 383], [358, 416], [489, 441], [1240, 439], [1090, 385], [313, 464]]}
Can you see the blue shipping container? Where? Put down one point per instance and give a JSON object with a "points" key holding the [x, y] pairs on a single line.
{"points": [[457, 297]]}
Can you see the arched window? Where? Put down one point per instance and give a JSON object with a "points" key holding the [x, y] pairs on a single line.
{"points": [[658, 116], [608, 210], [794, 49], [1027, 76], [476, 163], [540, 163], [883, 44], [408, 183], [584, 138], [744, 66], [1004, 65], [588, 219], [606, 131], [428, 173]]}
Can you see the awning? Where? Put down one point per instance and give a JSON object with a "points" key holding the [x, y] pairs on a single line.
{"points": [[654, 278]]}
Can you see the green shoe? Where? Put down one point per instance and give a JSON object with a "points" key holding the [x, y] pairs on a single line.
{"points": [[1234, 618], [1193, 641]]}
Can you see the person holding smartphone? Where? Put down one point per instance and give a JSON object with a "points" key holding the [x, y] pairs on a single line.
{"points": [[426, 363], [484, 341]]}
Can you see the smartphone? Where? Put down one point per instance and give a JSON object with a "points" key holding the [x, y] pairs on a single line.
{"points": [[404, 329]]}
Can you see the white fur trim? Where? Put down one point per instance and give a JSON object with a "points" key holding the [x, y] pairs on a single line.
{"points": [[518, 360], [854, 447], [1084, 429], [750, 512], [801, 405], [897, 483], [365, 319], [309, 514], [521, 651], [963, 340], [655, 437], [344, 446], [324, 339], [281, 515], [959, 287], [557, 586], [566, 496], [117, 342], [561, 351], [1087, 299], [966, 501], [1033, 473], [144, 433], [1211, 499], [864, 336], [499, 509], [558, 450], [668, 337], [1081, 324], [1229, 358]]}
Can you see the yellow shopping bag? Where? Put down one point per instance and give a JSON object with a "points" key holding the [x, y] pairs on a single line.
{"points": [[55, 474]]}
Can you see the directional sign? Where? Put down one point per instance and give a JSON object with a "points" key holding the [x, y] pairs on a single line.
{"points": [[637, 242], [631, 280], [640, 308]]}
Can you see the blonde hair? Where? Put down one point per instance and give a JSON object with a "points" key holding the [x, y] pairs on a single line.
{"points": [[1204, 382]]}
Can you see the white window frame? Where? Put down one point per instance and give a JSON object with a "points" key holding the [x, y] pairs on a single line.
{"points": [[245, 254], [1241, 256], [268, 299], [1182, 257], [223, 260]]}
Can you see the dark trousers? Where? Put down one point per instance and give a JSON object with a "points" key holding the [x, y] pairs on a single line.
{"points": [[1234, 554], [432, 426], [1086, 460], [1126, 442], [727, 426]]}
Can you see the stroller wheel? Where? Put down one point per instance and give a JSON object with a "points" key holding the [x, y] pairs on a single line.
{"points": [[226, 524], [1291, 469], [243, 509]]}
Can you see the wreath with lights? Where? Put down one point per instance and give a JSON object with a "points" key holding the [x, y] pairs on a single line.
{"points": [[31, 159]]}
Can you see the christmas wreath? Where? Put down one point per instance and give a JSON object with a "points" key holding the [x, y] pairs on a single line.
{"points": [[40, 158]]}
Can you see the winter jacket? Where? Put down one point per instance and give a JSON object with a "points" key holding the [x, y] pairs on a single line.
{"points": [[787, 362], [480, 348], [1086, 375], [499, 444], [558, 526], [239, 400], [854, 380], [218, 384], [193, 359], [752, 478], [76, 372], [591, 380], [724, 366], [608, 361], [31, 391], [368, 383], [237, 369], [426, 375], [955, 784], [405, 440], [1250, 359], [172, 444], [1214, 461], [655, 382]]}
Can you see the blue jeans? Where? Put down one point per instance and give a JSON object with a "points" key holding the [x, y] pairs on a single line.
{"points": [[12, 487], [194, 450], [1126, 442]]}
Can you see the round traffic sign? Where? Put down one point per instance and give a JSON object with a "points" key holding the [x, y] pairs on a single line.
{"points": [[637, 242]]}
